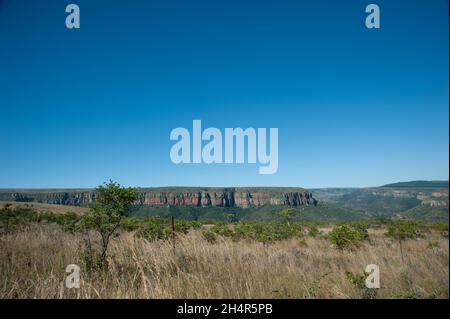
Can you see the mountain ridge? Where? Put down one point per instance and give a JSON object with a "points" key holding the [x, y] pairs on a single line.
{"points": [[419, 184], [174, 196]]}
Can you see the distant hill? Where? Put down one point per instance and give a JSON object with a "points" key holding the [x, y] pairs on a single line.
{"points": [[243, 197], [421, 200], [419, 184]]}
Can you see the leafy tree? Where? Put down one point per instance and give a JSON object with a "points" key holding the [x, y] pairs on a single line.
{"points": [[111, 203], [288, 214], [402, 230]]}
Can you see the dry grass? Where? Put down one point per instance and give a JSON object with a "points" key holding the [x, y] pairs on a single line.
{"points": [[32, 265], [42, 207]]}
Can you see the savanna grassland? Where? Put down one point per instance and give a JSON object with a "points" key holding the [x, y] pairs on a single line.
{"points": [[282, 259]]}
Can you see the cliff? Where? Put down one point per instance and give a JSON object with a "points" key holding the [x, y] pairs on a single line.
{"points": [[174, 196]]}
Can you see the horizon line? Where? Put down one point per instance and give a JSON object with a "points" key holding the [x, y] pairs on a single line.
{"points": [[203, 186]]}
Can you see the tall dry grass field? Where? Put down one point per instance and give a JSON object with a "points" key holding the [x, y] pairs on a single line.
{"points": [[33, 262]]}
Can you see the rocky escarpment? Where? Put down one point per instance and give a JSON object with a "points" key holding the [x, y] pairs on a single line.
{"points": [[175, 196]]}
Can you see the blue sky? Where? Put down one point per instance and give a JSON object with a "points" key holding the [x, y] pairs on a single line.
{"points": [[354, 107]]}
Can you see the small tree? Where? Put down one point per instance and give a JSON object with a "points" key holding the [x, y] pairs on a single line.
{"points": [[288, 214], [111, 204], [403, 230]]}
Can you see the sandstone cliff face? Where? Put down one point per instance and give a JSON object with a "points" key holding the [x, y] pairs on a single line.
{"points": [[69, 197], [176, 196], [437, 199]]}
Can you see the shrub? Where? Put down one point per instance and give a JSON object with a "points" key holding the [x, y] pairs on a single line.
{"points": [[130, 223], [182, 226], [402, 230], [48, 217], [15, 219], [265, 238], [265, 232], [433, 244], [361, 227], [359, 282], [209, 236], [68, 221], [222, 230], [195, 224], [439, 227], [153, 228], [347, 236], [313, 231], [302, 243]]}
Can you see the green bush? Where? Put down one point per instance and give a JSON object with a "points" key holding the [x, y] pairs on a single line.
{"points": [[17, 218], [313, 231], [47, 217], [362, 227], [359, 282], [68, 221], [209, 236], [302, 243], [402, 230], [130, 223], [348, 236], [153, 228], [265, 232], [439, 227], [182, 226], [222, 229]]}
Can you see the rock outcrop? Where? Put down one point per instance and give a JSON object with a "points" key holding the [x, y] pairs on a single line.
{"points": [[175, 196]]}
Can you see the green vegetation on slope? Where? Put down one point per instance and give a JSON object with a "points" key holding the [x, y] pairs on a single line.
{"points": [[419, 184], [376, 205], [321, 212], [427, 213]]}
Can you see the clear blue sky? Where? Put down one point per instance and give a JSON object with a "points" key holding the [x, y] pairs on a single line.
{"points": [[354, 107]]}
